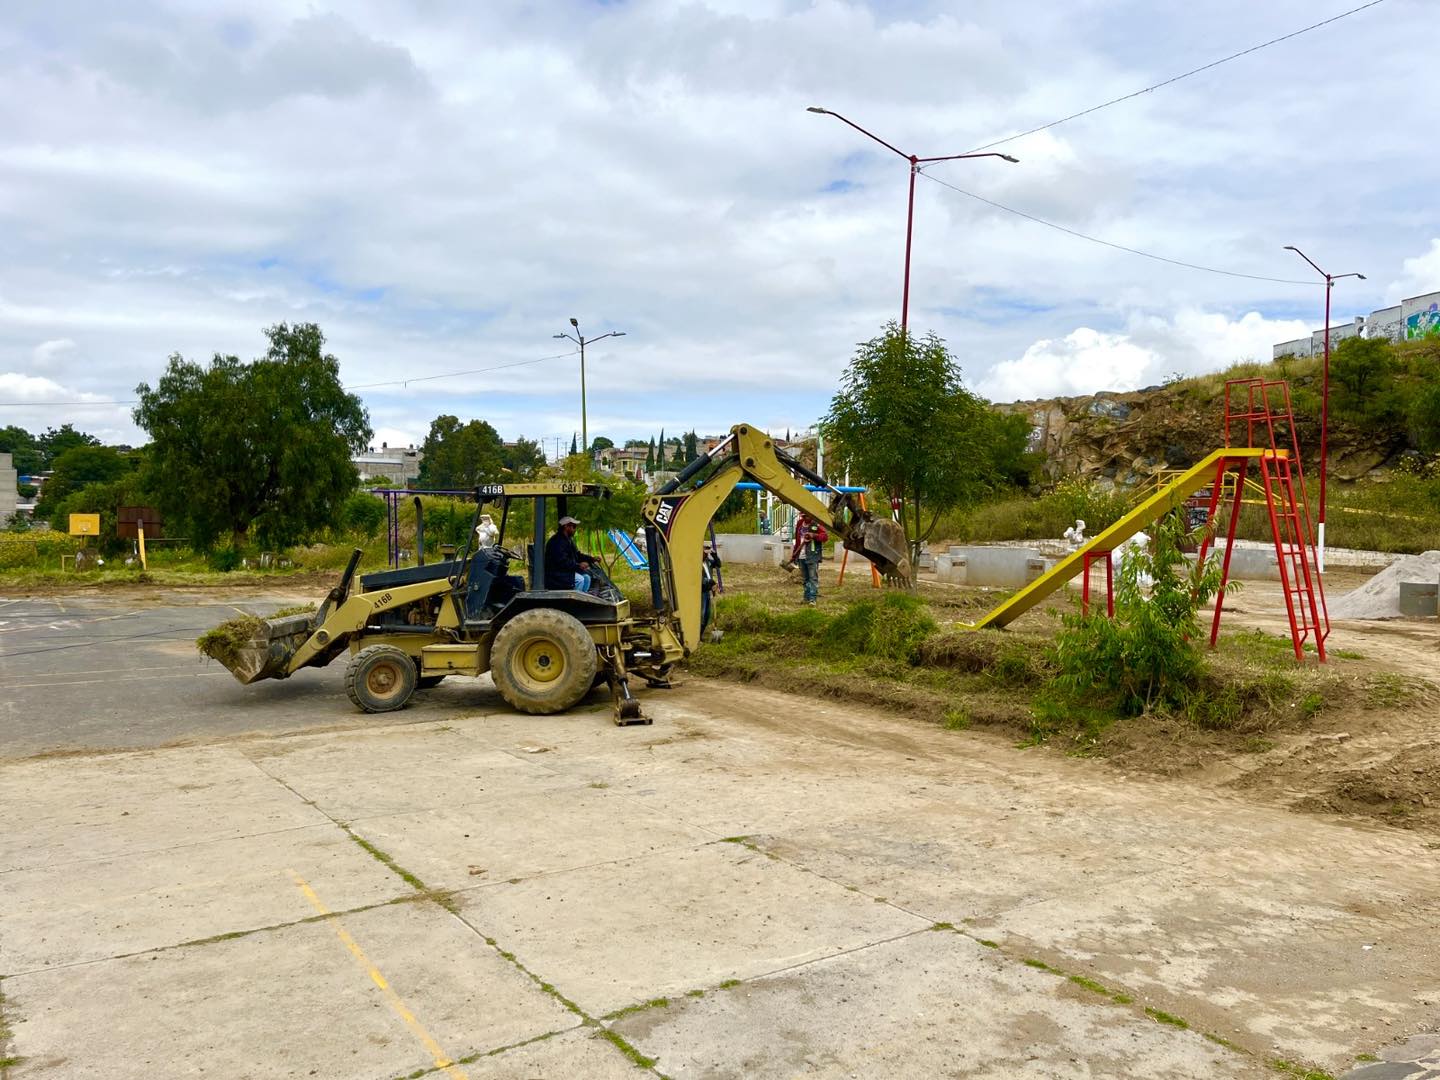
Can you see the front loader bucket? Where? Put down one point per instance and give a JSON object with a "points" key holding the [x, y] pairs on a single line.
{"points": [[254, 649], [882, 542]]}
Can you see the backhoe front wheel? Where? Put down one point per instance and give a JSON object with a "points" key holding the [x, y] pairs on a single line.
{"points": [[543, 661], [380, 678]]}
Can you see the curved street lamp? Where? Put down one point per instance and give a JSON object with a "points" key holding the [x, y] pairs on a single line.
{"points": [[1330, 280], [915, 163], [581, 340]]}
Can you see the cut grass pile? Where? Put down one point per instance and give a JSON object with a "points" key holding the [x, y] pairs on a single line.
{"points": [[227, 641]]}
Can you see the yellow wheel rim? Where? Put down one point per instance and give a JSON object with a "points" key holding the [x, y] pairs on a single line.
{"points": [[542, 660], [382, 680]]}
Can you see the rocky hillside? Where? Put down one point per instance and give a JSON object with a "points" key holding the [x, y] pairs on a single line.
{"points": [[1125, 437]]}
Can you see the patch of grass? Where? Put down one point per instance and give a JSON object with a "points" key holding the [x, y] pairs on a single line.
{"points": [[1122, 999], [1388, 690], [734, 839], [1038, 965], [1160, 1016], [1220, 1040], [988, 943], [956, 719], [639, 1007], [1366, 1057], [943, 926], [1346, 654], [385, 859], [1310, 704], [695, 993], [728, 983], [1088, 984], [620, 1043], [1298, 1071], [1257, 745]]}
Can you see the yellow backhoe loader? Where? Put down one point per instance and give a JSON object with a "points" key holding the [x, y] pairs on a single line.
{"points": [[547, 648]]}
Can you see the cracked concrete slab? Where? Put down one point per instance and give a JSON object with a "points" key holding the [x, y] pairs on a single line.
{"points": [[351, 775], [950, 1007], [292, 1002], [581, 1054], [507, 837], [1299, 949], [65, 809], [64, 914], [612, 935]]}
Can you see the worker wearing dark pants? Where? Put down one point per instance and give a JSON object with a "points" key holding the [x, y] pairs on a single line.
{"points": [[566, 566], [709, 583], [810, 538]]}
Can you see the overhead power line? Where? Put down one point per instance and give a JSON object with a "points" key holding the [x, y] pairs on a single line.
{"points": [[1108, 243], [353, 386], [1182, 75]]}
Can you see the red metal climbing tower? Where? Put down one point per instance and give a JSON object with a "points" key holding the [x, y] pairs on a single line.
{"points": [[1258, 414]]}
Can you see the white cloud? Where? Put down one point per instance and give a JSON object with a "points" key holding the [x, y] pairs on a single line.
{"points": [[1151, 349], [1419, 275], [48, 351]]}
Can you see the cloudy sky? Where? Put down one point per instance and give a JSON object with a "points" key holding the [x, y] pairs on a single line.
{"points": [[441, 184]]}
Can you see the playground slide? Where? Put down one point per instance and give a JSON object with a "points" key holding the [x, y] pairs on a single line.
{"points": [[1155, 507]]}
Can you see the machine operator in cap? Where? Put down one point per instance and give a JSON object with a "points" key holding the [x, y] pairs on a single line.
{"points": [[566, 566]]}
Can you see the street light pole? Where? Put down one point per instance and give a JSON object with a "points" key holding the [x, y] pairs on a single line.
{"points": [[1330, 280], [581, 340], [915, 163]]}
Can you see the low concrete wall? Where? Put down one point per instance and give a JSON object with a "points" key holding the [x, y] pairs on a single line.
{"points": [[757, 549], [999, 567]]}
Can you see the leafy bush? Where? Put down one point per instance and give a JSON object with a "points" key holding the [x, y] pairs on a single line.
{"points": [[1148, 655], [362, 514]]}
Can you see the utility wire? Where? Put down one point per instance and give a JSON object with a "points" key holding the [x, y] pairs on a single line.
{"points": [[1177, 78], [1108, 243], [354, 386]]}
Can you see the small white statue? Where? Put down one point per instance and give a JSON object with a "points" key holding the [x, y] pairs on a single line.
{"points": [[1075, 535], [486, 532], [1137, 544]]}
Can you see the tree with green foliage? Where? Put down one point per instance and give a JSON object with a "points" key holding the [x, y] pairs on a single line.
{"points": [[23, 448], [904, 422], [650, 458], [362, 514], [56, 441], [574, 443], [254, 451], [692, 446], [79, 467], [460, 456], [523, 459], [600, 442]]}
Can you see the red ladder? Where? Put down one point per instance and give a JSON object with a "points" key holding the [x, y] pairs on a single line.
{"points": [[1282, 476]]}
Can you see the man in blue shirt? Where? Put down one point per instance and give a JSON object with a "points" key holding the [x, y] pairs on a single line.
{"points": [[566, 566]]}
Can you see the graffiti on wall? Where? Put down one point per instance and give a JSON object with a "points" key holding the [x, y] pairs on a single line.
{"points": [[1423, 323]]}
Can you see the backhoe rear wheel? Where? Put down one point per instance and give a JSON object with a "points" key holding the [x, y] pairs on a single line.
{"points": [[380, 678], [543, 661]]}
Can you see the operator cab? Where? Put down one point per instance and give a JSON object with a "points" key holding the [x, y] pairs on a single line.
{"points": [[485, 591]]}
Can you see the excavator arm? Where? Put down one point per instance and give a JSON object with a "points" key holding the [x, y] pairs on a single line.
{"points": [[676, 520]]}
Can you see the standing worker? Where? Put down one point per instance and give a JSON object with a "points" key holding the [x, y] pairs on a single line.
{"points": [[810, 540], [566, 566]]}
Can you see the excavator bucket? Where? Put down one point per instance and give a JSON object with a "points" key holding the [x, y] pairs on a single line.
{"points": [[882, 542], [254, 649]]}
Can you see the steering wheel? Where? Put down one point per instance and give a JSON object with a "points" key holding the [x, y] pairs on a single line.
{"points": [[507, 553]]}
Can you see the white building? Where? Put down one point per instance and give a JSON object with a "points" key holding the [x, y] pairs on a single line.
{"points": [[396, 466], [1408, 320]]}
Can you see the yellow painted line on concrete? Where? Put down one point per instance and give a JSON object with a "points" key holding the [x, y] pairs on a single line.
{"points": [[442, 1060]]}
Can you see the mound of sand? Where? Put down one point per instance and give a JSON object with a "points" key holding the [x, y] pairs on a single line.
{"points": [[1379, 598]]}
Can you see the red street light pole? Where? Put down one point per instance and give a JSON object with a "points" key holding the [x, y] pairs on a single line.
{"points": [[915, 163], [1330, 280]]}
